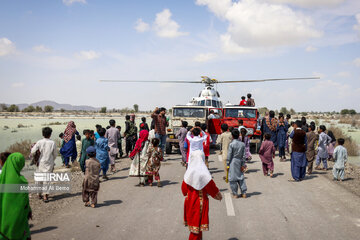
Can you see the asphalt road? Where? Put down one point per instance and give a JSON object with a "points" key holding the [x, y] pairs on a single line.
{"points": [[315, 208]]}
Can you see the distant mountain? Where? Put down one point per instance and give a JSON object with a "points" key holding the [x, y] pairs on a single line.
{"points": [[58, 106]]}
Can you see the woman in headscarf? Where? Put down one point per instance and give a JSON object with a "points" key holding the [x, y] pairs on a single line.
{"points": [[69, 149], [15, 210], [139, 157], [196, 187], [331, 146]]}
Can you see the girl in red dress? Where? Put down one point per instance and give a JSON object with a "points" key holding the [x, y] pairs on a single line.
{"points": [[196, 187]]}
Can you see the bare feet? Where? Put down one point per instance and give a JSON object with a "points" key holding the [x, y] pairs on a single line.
{"points": [[87, 204], [243, 195], [92, 205]]}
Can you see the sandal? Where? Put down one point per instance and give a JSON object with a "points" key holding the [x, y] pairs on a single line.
{"points": [[92, 205], [87, 204]]}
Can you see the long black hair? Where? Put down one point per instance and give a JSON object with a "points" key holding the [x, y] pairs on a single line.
{"points": [[331, 134]]}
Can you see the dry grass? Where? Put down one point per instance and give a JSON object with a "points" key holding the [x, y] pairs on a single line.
{"points": [[22, 147], [353, 121], [350, 144]]}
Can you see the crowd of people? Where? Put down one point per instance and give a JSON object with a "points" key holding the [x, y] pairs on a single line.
{"points": [[98, 150]]}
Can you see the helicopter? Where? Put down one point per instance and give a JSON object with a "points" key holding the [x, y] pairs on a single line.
{"points": [[209, 96]]}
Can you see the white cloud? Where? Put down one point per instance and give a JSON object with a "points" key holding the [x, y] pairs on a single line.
{"points": [[165, 27], [6, 47], [204, 57], [255, 25], [41, 49], [87, 55], [70, 2], [141, 26], [357, 26], [309, 3], [311, 49], [343, 74], [17, 85], [356, 62]]}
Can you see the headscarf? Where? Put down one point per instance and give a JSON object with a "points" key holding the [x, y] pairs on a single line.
{"points": [[197, 175], [132, 117], [143, 137], [69, 131], [14, 207]]}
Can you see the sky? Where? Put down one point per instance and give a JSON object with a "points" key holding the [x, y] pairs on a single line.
{"points": [[59, 50]]}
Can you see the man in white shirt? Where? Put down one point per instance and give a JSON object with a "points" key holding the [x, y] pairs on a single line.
{"points": [[48, 153]]}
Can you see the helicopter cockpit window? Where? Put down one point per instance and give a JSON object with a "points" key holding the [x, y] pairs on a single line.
{"points": [[240, 113], [189, 112], [208, 103], [215, 103], [201, 103]]}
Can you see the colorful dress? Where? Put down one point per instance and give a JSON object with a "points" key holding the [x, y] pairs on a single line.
{"points": [[155, 156]]}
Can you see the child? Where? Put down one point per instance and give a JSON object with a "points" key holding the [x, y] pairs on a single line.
{"points": [[181, 135], [340, 158], [243, 101], [187, 146], [331, 146], [48, 153], [91, 183], [86, 142], [61, 136], [224, 140], [78, 147], [312, 139], [235, 162], [153, 165], [196, 187], [322, 155], [121, 153], [206, 144], [246, 140], [102, 148], [267, 153], [196, 138], [241, 125]]}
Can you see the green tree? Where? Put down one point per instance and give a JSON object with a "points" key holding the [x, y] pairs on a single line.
{"points": [[263, 110], [13, 108], [344, 111], [136, 108], [62, 110], [103, 110], [352, 112], [284, 110], [48, 108], [3, 107], [38, 109], [292, 111], [29, 109]]}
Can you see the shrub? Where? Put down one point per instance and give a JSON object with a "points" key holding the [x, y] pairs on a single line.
{"points": [[48, 108], [22, 147], [351, 146]]}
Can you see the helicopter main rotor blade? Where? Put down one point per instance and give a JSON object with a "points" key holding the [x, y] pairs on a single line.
{"points": [[269, 80], [142, 81]]}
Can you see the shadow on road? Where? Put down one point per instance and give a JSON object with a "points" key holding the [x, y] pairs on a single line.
{"points": [[308, 177], [124, 169], [115, 178], [252, 170], [233, 239], [253, 194], [223, 190], [167, 182], [216, 171], [277, 174], [45, 229], [108, 203], [64, 195], [348, 179]]}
